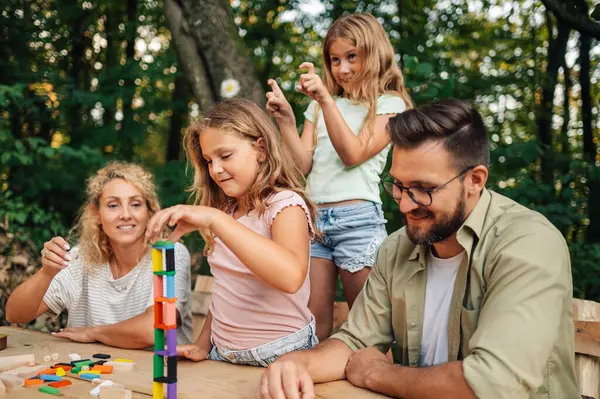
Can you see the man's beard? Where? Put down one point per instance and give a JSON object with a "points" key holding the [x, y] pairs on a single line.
{"points": [[444, 225]]}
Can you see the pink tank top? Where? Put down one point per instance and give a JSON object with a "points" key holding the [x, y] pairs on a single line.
{"points": [[248, 313]]}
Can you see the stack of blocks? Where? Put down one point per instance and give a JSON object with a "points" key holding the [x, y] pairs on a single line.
{"points": [[165, 320]]}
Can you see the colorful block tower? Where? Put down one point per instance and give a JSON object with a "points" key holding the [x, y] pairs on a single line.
{"points": [[165, 320]]}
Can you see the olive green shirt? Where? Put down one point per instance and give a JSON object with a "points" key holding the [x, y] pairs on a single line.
{"points": [[511, 317]]}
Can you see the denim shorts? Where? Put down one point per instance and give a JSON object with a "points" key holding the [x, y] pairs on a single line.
{"points": [[262, 356], [351, 235]]}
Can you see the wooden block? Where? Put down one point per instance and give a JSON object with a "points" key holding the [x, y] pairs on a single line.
{"points": [[111, 392], [103, 369], [47, 371], [12, 381], [26, 371], [121, 366], [32, 382], [12, 362], [60, 384], [170, 314]]}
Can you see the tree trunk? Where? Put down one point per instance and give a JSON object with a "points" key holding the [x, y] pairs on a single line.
{"points": [[77, 58], [128, 130], [589, 147], [188, 56], [179, 114], [556, 54], [111, 64], [223, 55]]}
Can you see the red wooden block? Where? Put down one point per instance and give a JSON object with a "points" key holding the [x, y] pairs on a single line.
{"points": [[60, 384]]}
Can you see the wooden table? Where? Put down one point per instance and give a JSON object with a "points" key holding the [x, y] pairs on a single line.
{"points": [[207, 379]]}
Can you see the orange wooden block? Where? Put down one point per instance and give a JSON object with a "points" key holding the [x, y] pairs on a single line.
{"points": [[47, 371], [103, 369], [66, 368], [60, 384], [165, 327], [29, 383], [158, 313]]}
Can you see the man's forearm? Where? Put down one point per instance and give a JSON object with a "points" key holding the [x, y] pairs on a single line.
{"points": [[325, 362], [442, 381], [134, 333]]}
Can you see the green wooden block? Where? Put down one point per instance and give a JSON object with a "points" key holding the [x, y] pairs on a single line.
{"points": [[164, 273], [159, 366], [76, 370], [159, 339], [50, 390]]}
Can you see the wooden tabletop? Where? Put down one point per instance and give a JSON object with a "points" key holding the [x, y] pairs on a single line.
{"points": [[207, 379]]}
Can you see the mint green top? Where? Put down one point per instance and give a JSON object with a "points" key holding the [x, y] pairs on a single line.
{"points": [[329, 180]]}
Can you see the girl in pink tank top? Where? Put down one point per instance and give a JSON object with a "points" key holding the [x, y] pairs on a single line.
{"points": [[257, 222]]}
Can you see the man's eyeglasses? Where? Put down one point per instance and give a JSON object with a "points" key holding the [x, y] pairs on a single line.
{"points": [[420, 196]]}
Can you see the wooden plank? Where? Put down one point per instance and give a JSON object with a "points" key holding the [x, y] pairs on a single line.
{"points": [[587, 338], [586, 366], [207, 379]]}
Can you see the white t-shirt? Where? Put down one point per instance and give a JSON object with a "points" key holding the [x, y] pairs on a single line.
{"points": [[329, 180], [92, 297], [441, 274]]}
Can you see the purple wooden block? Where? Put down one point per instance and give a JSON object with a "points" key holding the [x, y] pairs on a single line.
{"points": [[172, 340], [171, 352], [172, 391]]}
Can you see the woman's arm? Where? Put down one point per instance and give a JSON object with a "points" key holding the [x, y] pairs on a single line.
{"points": [[134, 333], [27, 301]]}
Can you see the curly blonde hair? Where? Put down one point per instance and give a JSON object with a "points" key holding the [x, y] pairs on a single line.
{"points": [[277, 173], [94, 246], [380, 73]]}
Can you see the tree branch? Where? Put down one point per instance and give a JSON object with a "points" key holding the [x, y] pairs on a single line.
{"points": [[577, 21]]}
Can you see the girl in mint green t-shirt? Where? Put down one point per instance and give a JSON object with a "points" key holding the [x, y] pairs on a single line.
{"points": [[343, 150]]}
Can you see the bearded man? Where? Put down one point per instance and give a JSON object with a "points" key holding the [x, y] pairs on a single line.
{"points": [[475, 290]]}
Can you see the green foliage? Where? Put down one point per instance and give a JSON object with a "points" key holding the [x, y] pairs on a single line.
{"points": [[82, 84]]}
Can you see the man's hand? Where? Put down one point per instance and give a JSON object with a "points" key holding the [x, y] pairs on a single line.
{"points": [[286, 379], [77, 334], [363, 364]]}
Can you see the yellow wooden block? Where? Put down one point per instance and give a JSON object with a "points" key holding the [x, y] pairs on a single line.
{"points": [[157, 391], [157, 261], [90, 372], [123, 360], [61, 372]]}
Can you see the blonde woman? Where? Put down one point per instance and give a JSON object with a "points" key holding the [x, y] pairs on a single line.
{"points": [[343, 150], [257, 223], [105, 282]]}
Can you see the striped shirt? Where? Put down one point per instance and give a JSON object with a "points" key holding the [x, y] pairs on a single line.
{"points": [[92, 297]]}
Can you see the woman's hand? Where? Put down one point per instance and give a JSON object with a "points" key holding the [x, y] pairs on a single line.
{"points": [[55, 255], [188, 218], [192, 352], [278, 107], [312, 85]]}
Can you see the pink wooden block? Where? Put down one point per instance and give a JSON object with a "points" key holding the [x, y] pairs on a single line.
{"points": [[170, 314], [158, 286]]}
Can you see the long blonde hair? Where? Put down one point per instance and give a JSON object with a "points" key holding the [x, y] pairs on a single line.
{"points": [[380, 73], [94, 246], [277, 173]]}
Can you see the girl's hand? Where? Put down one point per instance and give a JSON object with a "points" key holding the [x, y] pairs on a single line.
{"points": [[312, 85], [192, 352], [188, 218], [55, 255], [278, 107]]}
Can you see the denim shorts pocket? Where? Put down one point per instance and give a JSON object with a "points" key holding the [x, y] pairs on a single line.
{"points": [[362, 215]]}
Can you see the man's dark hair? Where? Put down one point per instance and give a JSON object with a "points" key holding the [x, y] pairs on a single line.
{"points": [[456, 123]]}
